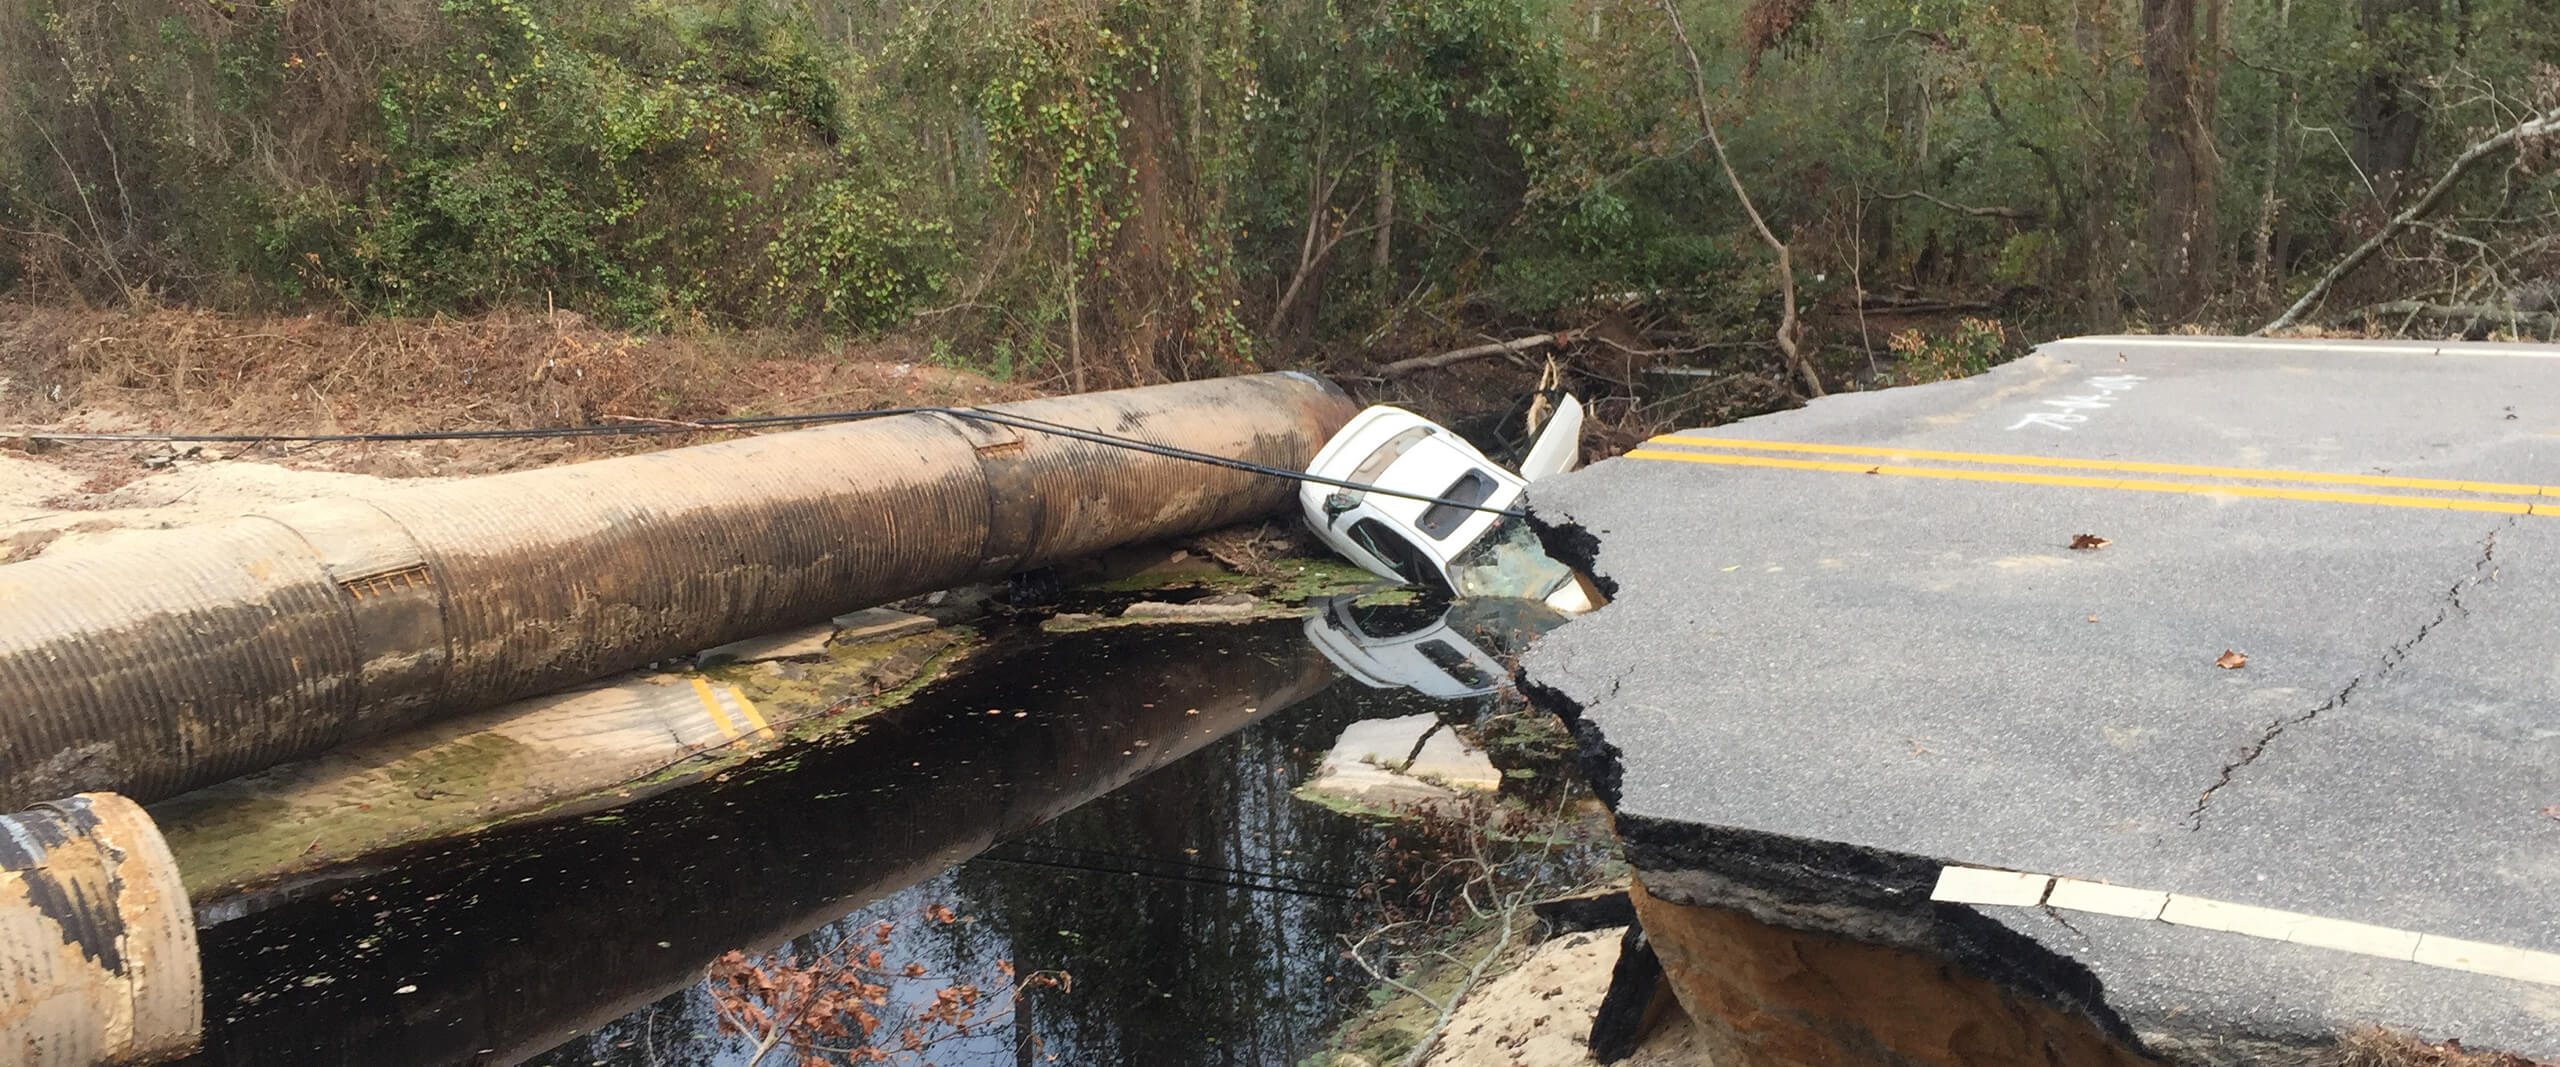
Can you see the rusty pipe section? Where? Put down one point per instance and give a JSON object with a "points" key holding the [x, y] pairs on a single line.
{"points": [[97, 944], [167, 660]]}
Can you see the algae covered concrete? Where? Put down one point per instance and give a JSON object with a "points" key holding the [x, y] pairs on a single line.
{"points": [[243, 843], [516, 939], [592, 747]]}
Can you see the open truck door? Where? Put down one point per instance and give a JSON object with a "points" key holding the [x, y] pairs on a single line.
{"points": [[1559, 445]]}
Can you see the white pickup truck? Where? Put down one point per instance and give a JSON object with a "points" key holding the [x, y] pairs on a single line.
{"points": [[1456, 538]]}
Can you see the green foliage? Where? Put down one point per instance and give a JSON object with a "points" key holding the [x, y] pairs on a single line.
{"points": [[856, 261], [653, 163], [1975, 346], [1124, 189], [677, 163]]}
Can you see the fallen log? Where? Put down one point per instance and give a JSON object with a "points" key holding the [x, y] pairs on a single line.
{"points": [[2013, 214], [2542, 125], [1418, 364], [2548, 322]]}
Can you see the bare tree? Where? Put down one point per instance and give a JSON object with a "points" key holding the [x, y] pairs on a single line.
{"points": [[1790, 329]]}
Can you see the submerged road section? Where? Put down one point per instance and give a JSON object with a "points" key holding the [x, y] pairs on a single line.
{"points": [[2192, 699]]}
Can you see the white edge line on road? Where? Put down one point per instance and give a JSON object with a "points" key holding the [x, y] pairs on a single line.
{"points": [[2341, 346], [1986, 887]]}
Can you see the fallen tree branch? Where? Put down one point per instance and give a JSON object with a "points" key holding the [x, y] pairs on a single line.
{"points": [[1298, 281], [1417, 364], [1430, 1042], [2015, 214], [1910, 305], [1788, 327], [2419, 309], [1690, 351], [2541, 125]]}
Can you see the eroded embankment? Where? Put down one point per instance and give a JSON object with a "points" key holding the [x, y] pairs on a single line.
{"points": [[1795, 951]]}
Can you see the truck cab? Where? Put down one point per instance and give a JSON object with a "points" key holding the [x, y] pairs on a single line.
{"points": [[1450, 535]]}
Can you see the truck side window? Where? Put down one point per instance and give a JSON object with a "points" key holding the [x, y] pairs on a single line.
{"points": [[1441, 520], [1400, 555]]}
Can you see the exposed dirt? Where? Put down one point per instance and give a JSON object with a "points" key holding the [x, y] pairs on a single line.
{"points": [[1539, 1014], [198, 372]]}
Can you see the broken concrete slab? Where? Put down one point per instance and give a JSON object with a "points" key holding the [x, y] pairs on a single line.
{"points": [[1443, 756], [592, 747], [1402, 763], [1226, 606], [878, 624], [1852, 645], [807, 642]]}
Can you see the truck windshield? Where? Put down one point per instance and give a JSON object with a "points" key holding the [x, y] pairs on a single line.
{"points": [[1507, 562]]}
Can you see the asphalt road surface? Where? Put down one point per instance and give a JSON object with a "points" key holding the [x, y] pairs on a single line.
{"points": [[1852, 644]]}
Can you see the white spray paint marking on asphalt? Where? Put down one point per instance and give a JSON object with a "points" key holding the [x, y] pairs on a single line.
{"points": [[1995, 888], [2071, 407]]}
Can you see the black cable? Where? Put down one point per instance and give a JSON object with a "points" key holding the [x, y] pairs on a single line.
{"points": [[1222, 882], [1185, 865], [744, 422], [1171, 452], [608, 430]]}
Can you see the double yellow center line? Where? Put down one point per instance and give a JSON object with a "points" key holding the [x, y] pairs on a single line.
{"points": [[720, 703], [1739, 452]]}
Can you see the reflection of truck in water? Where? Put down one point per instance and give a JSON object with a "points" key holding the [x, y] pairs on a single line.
{"points": [[1451, 535], [1452, 653]]}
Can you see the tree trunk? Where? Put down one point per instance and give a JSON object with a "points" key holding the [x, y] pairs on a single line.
{"points": [[2279, 126], [1075, 320], [2179, 39], [2389, 111], [2098, 247], [1381, 255]]}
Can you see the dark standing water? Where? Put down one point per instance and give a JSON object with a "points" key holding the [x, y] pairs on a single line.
{"points": [[1114, 804]]}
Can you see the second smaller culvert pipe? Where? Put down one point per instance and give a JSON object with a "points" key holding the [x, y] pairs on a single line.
{"points": [[97, 942], [156, 662]]}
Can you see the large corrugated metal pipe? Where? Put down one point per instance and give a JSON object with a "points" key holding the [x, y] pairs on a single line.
{"points": [[156, 662], [97, 944]]}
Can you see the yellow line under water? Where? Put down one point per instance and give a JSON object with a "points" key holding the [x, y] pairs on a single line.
{"points": [[2128, 466], [747, 708], [2502, 507], [711, 707]]}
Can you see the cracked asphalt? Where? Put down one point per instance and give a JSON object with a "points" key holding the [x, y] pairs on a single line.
{"points": [[1858, 624]]}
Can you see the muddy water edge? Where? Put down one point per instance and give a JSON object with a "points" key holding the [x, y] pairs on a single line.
{"points": [[1115, 804]]}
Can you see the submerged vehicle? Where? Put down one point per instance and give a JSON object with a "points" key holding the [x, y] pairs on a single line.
{"points": [[1447, 654], [1458, 533]]}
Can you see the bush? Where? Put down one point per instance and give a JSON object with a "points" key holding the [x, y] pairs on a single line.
{"points": [[1976, 346]]}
